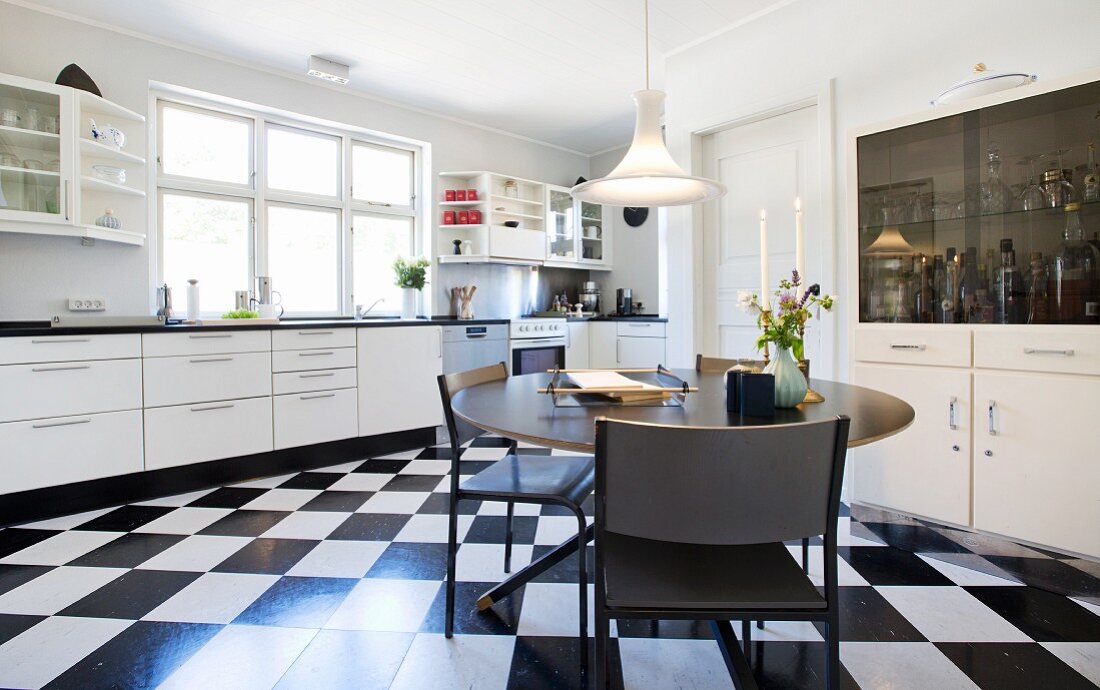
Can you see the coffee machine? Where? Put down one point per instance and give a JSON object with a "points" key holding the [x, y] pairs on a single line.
{"points": [[624, 302]]}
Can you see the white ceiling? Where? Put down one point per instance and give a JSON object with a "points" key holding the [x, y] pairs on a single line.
{"points": [[559, 71]]}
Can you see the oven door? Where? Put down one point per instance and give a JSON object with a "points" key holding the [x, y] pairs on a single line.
{"points": [[537, 356]]}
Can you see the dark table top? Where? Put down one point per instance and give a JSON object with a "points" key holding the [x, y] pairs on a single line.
{"points": [[513, 408]]}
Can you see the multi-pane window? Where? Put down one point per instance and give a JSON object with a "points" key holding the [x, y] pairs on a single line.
{"points": [[321, 211]]}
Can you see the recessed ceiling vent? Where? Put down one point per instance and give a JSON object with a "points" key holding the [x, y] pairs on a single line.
{"points": [[328, 70]]}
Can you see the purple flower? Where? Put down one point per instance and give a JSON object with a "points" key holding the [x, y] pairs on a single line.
{"points": [[795, 278], [814, 290]]}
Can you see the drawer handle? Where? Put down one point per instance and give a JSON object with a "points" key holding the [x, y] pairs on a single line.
{"points": [[61, 341], [315, 354], [323, 374], [315, 332], [1041, 351], [210, 335], [212, 359], [207, 408], [72, 367], [992, 417], [71, 422], [903, 346], [318, 395], [952, 406], [638, 325]]}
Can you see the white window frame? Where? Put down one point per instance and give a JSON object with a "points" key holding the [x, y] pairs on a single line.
{"points": [[261, 119]]}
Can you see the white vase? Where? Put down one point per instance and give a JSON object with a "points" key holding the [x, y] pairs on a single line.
{"points": [[408, 302]]}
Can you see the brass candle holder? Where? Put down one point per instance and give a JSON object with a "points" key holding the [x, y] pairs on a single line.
{"points": [[812, 396], [765, 317]]}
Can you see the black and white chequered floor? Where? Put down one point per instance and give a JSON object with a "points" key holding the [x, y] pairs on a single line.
{"points": [[333, 579]]}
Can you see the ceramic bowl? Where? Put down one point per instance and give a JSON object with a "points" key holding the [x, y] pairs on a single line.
{"points": [[110, 173]]}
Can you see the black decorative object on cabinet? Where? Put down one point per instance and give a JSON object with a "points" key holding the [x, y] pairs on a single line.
{"points": [[77, 78]]}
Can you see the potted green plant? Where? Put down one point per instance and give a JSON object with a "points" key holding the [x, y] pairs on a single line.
{"points": [[411, 275]]}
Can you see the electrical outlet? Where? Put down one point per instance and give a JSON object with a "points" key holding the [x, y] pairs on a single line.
{"points": [[87, 304]]}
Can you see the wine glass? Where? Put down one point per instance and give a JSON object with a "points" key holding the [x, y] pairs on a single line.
{"points": [[1031, 197]]}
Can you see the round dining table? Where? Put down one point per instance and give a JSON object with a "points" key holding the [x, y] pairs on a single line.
{"points": [[514, 408]]}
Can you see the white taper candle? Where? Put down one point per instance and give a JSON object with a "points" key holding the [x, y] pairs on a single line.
{"points": [[765, 291], [799, 240]]}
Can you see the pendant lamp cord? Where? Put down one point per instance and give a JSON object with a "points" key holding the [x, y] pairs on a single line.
{"points": [[645, 6]]}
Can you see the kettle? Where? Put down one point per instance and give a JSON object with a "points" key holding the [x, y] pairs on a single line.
{"points": [[164, 301]]}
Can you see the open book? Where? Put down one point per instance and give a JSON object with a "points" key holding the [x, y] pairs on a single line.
{"points": [[616, 386]]}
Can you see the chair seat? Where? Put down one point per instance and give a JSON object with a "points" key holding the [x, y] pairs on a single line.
{"points": [[648, 574], [535, 479]]}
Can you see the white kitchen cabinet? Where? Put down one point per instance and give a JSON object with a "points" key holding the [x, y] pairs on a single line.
{"points": [[312, 338], [603, 345], [576, 345], [48, 452], [205, 343], [1036, 474], [309, 381], [308, 360], [317, 417], [924, 470], [639, 353], [398, 386], [578, 233], [187, 434], [205, 378], [55, 389], [69, 348]]}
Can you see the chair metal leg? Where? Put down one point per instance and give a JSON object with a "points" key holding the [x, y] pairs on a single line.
{"points": [[759, 625], [746, 636], [582, 583], [452, 557], [806, 556], [603, 638], [832, 654], [508, 538]]}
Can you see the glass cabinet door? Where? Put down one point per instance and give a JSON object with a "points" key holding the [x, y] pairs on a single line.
{"points": [[31, 154], [560, 225], [591, 232], [990, 216]]}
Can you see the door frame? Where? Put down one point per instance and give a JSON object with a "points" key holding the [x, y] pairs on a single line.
{"points": [[686, 145]]}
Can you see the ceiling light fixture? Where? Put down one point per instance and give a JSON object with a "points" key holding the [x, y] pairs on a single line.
{"points": [[647, 175], [328, 70]]}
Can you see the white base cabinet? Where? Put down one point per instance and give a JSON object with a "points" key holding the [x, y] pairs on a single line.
{"points": [[48, 452], [1036, 467], [318, 417], [398, 384], [186, 434], [576, 345], [626, 344]]}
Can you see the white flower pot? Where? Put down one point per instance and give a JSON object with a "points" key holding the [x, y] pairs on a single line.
{"points": [[408, 302]]}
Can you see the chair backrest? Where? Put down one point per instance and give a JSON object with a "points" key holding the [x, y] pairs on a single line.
{"points": [[719, 365], [451, 384], [725, 485]]}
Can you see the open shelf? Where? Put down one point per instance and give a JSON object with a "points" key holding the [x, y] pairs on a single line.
{"points": [[94, 149], [461, 203], [511, 214], [89, 182], [501, 197], [89, 102], [96, 232]]}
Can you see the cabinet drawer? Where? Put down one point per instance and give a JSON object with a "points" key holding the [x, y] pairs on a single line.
{"points": [[310, 360], [307, 381], [68, 348], [178, 380], [188, 434], [1038, 349], [49, 452], [32, 391], [307, 338], [950, 348], [212, 343], [305, 418], [640, 329]]}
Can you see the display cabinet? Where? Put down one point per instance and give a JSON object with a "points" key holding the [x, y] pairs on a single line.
{"points": [[575, 232], [503, 223]]}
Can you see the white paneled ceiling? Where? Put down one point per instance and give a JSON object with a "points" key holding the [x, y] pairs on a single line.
{"points": [[559, 71]]}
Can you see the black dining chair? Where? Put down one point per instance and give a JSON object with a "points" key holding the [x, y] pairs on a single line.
{"points": [[555, 480], [690, 525]]}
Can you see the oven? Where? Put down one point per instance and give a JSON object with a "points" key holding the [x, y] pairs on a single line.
{"points": [[537, 345]]}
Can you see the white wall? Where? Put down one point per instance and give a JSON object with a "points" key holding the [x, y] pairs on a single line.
{"points": [[636, 252], [887, 59], [37, 274]]}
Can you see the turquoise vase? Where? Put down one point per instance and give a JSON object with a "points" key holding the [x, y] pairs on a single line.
{"points": [[790, 384]]}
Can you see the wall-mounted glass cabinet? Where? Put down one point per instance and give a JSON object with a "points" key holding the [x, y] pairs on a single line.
{"points": [[988, 216]]}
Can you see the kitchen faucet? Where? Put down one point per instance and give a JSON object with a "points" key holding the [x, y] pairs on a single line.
{"points": [[360, 312]]}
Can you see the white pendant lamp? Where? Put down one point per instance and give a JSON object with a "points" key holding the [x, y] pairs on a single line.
{"points": [[647, 175]]}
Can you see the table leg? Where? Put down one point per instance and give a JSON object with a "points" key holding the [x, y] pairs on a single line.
{"points": [[533, 570]]}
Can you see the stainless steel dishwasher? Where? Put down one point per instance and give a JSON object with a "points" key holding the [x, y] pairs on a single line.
{"points": [[473, 346]]}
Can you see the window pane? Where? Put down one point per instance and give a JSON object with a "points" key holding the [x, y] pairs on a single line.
{"points": [[299, 161], [205, 238], [304, 258], [206, 146], [382, 174], [378, 241]]}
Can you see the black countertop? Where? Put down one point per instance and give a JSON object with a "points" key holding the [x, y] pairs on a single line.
{"points": [[643, 318], [38, 328]]}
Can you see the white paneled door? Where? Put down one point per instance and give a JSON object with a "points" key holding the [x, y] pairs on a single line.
{"points": [[765, 164]]}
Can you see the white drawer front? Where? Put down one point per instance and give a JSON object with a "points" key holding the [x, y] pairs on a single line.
{"points": [[68, 348], [949, 348], [188, 434], [312, 338], [56, 389], [640, 329], [211, 343], [1038, 349], [308, 381], [305, 418], [179, 380], [49, 452], [309, 360]]}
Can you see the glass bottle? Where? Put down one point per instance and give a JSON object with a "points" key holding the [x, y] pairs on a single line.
{"points": [[938, 276], [1074, 278], [923, 292], [1038, 297], [1009, 287], [1090, 183], [968, 286], [993, 193], [949, 288]]}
